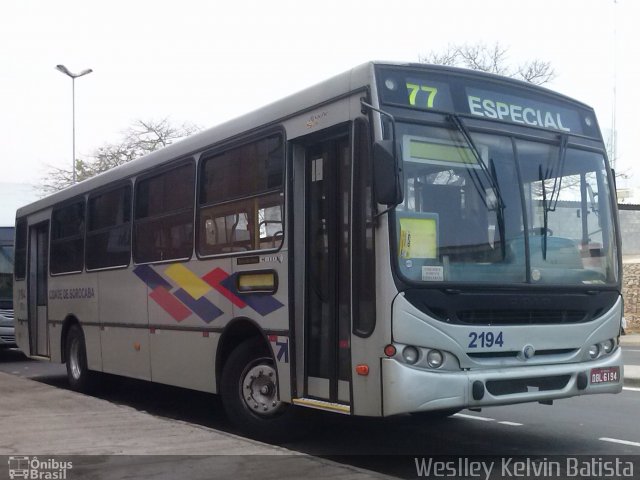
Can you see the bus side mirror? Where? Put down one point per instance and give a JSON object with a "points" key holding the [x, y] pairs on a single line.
{"points": [[386, 173]]}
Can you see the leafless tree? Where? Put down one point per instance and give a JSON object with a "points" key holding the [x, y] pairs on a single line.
{"points": [[142, 137], [492, 59]]}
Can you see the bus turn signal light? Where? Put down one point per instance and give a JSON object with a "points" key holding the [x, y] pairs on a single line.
{"points": [[362, 369]]}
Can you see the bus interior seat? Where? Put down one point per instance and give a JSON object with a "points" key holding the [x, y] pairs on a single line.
{"points": [[463, 225]]}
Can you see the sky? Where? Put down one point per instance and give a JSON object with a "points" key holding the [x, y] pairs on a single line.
{"points": [[206, 62]]}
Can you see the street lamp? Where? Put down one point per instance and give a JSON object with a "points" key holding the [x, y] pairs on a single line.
{"points": [[73, 76]]}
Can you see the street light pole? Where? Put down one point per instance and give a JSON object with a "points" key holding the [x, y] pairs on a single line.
{"points": [[73, 77]]}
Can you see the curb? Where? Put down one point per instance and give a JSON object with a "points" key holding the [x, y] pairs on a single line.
{"points": [[631, 382], [630, 340]]}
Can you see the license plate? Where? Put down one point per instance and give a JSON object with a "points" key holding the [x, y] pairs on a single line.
{"points": [[605, 375]]}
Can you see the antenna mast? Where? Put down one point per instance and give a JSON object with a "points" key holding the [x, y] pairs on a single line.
{"points": [[614, 132]]}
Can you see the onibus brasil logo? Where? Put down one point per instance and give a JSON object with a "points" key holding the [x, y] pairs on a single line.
{"points": [[37, 469]]}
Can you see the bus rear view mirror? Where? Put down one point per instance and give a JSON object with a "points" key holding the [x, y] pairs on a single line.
{"points": [[386, 173]]}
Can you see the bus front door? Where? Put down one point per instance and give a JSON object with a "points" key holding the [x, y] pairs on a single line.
{"points": [[38, 271], [327, 289]]}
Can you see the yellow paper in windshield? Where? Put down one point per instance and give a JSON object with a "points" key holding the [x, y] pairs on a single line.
{"points": [[418, 238]]}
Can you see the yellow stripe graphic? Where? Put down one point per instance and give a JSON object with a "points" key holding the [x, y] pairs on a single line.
{"points": [[189, 281]]}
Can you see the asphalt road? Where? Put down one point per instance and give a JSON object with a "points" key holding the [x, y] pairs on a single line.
{"points": [[593, 425]]}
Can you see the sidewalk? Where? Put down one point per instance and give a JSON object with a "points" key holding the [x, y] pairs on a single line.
{"points": [[46, 421], [631, 372]]}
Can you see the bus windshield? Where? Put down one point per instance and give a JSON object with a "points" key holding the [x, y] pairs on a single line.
{"points": [[6, 272], [489, 208]]}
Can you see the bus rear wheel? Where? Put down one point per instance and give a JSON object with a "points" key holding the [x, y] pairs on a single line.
{"points": [[249, 390], [81, 379]]}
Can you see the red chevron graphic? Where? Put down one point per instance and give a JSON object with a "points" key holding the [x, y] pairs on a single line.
{"points": [[170, 304], [214, 277]]}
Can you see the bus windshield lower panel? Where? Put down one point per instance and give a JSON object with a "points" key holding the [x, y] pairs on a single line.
{"points": [[496, 209]]}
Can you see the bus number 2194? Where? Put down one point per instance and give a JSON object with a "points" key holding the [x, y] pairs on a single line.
{"points": [[485, 339]]}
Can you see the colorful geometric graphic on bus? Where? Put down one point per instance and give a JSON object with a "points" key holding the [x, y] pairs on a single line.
{"points": [[202, 307], [280, 347], [227, 285], [189, 296], [215, 278], [169, 303], [187, 300]]}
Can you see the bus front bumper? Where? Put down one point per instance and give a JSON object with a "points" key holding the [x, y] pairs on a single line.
{"points": [[407, 389]]}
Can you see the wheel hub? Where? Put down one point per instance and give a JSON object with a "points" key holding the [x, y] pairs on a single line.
{"points": [[259, 390]]}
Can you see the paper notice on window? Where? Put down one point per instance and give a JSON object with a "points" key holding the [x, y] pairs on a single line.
{"points": [[418, 238], [432, 273]]}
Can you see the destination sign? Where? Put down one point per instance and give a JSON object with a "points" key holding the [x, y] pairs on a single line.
{"points": [[484, 97], [500, 106]]}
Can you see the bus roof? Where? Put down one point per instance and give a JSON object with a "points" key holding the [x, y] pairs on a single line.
{"points": [[295, 104]]}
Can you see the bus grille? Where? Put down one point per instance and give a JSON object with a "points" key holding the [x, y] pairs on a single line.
{"points": [[480, 308], [520, 317], [522, 385], [514, 354], [6, 313], [8, 338]]}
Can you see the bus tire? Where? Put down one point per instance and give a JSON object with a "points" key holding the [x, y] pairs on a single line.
{"points": [[81, 379], [249, 393]]}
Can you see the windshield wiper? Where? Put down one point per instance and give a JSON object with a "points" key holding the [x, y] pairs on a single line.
{"points": [[554, 196], [499, 212], [462, 128], [545, 213], [490, 175], [557, 176]]}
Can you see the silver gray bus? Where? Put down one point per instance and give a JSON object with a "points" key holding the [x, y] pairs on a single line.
{"points": [[7, 336], [401, 238]]}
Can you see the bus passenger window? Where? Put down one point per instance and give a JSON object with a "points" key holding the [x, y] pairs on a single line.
{"points": [[270, 226], [229, 233], [241, 198], [109, 229], [164, 216], [67, 238]]}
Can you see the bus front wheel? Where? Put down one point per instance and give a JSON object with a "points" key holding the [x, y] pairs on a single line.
{"points": [[81, 379], [249, 390]]}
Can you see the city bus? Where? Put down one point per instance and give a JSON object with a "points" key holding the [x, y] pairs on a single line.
{"points": [[398, 239], [7, 334]]}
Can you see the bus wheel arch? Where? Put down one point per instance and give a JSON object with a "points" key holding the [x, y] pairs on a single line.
{"points": [[239, 330]]}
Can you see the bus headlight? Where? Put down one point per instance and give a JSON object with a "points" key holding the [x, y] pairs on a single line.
{"points": [[410, 355], [435, 358], [607, 346], [427, 358], [594, 350]]}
